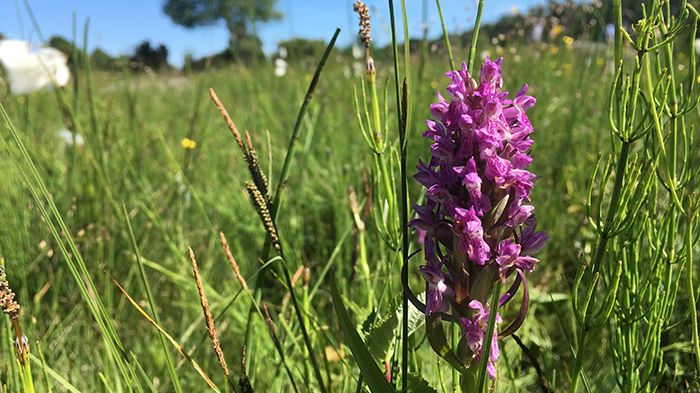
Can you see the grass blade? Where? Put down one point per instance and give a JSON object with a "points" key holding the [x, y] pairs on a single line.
{"points": [[370, 372]]}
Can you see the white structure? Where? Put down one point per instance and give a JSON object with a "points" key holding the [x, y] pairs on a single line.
{"points": [[27, 71]]}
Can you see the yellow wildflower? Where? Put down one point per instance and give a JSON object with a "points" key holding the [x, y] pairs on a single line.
{"points": [[555, 31], [599, 61], [554, 50], [188, 143], [567, 40]]}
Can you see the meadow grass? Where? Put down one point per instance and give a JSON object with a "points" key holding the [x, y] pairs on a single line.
{"points": [[134, 198]]}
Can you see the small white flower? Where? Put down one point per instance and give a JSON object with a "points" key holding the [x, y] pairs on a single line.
{"points": [[283, 52], [280, 68], [68, 137], [28, 72]]}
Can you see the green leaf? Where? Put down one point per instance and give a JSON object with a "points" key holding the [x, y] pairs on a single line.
{"points": [[416, 384], [368, 366], [383, 335], [416, 318], [438, 341], [386, 330]]}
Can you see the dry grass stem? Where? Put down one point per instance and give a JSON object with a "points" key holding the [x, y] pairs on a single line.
{"points": [[209, 320], [227, 119], [232, 261]]}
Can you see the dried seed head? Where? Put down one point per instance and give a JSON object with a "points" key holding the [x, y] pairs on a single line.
{"points": [[231, 126], [208, 319], [268, 320], [365, 28], [233, 263], [7, 297]]}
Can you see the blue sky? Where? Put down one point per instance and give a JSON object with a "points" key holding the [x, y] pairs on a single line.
{"points": [[119, 26]]}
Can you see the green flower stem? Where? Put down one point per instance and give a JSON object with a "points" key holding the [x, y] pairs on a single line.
{"points": [[446, 36], [691, 287], [475, 37]]}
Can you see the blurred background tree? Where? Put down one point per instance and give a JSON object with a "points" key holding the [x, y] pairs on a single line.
{"points": [[239, 16], [145, 55]]}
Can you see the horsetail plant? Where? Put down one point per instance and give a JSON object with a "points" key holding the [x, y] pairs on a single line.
{"points": [[375, 133], [11, 308], [645, 224]]}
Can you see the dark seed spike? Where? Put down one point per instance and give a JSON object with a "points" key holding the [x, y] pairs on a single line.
{"points": [[263, 210]]}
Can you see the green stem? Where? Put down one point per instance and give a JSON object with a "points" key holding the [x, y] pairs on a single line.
{"points": [[364, 264], [691, 288], [578, 363], [446, 36], [617, 10], [475, 36], [620, 171], [152, 304], [486, 347], [274, 208], [293, 141], [659, 135]]}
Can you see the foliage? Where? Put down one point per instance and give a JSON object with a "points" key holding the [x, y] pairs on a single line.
{"points": [[101, 60], [155, 58], [302, 48], [239, 17]]}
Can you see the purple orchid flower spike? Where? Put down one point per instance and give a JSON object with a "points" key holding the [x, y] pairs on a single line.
{"points": [[477, 225]]}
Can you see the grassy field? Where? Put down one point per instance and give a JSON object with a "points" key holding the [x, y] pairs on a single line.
{"points": [[134, 185]]}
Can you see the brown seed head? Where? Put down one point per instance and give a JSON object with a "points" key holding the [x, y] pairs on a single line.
{"points": [[7, 297], [365, 28]]}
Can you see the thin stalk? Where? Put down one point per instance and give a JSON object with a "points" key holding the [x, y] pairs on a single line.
{"points": [[404, 125], [284, 175], [475, 37], [294, 140], [446, 36], [43, 367], [22, 354], [659, 134], [617, 10], [152, 304], [365, 268], [401, 125], [691, 288], [620, 171], [486, 348], [302, 325]]}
